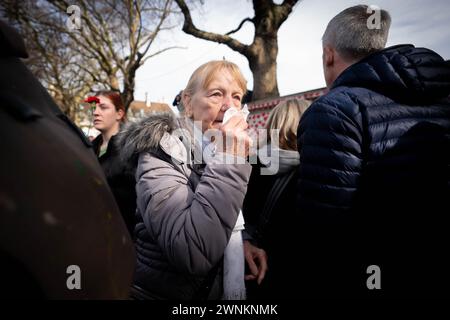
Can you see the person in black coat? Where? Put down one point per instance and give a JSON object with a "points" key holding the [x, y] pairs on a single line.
{"points": [[109, 114], [373, 186], [58, 217], [270, 219]]}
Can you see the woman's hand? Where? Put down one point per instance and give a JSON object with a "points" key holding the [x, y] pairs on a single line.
{"points": [[236, 141], [257, 262]]}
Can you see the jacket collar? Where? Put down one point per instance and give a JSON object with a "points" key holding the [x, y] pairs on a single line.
{"points": [[402, 72], [160, 132]]}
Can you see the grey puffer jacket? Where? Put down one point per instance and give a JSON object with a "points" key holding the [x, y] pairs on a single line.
{"points": [[185, 211]]}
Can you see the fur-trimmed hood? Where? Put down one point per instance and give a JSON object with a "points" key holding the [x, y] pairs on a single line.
{"points": [[144, 135]]}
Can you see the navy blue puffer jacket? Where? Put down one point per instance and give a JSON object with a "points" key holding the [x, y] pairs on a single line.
{"points": [[373, 184]]}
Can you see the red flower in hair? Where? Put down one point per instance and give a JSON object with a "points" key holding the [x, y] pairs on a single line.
{"points": [[92, 100]]}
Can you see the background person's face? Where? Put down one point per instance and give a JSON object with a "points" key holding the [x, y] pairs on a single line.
{"points": [[105, 115], [208, 105]]}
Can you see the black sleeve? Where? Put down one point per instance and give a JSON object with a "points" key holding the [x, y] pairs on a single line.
{"points": [[330, 145]]}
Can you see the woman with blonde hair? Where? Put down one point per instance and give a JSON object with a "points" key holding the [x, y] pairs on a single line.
{"points": [[271, 223], [285, 117], [188, 235]]}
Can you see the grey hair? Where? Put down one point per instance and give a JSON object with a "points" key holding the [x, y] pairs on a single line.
{"points": [[349, 33]]}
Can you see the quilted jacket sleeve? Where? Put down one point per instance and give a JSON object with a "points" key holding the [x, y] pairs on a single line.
{"points": [[330, 145]]}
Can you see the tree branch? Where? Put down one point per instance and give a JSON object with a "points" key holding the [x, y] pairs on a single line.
{"points": [[240, 26], [153, 34], [284, 10], [160, 51], [92, 45], [191, 29]]}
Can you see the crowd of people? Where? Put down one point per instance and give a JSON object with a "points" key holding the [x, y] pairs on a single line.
{"points": [[358, 178]]}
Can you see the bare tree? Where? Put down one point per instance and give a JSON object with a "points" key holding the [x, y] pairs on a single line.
{"points": [[50, 59], [112, 41], [262, 53]]}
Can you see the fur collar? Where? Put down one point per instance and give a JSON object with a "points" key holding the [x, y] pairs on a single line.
{"points": [[144, 135]]}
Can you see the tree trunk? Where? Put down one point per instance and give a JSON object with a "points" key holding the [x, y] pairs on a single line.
{"points": [[128, 86], [127, 96], [263, 64], [114, 82]]}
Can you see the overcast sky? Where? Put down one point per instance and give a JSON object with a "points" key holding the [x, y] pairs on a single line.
{"points": [[422, 23]]}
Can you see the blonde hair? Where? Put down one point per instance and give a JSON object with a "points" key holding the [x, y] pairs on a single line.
{"points": [[285, 117], [204, 75]]}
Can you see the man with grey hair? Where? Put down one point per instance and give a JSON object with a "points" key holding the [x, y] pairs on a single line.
{"points": [[348, 39], [373, 188]]}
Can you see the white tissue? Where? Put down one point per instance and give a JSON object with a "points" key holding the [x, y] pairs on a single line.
{"points": [[245, 112], [232, 111]]}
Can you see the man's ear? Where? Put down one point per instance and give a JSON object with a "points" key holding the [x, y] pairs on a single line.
{"points": [[328, 56]]}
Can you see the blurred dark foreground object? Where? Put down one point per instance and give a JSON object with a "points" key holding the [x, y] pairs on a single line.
{"points": [[56, 209]]}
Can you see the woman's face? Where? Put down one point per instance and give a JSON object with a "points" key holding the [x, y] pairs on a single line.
{"points": [[208, 105], [106, 117]]}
